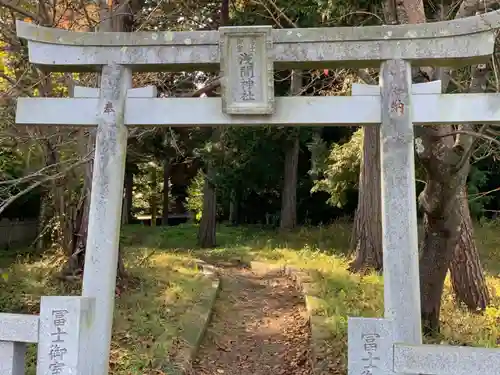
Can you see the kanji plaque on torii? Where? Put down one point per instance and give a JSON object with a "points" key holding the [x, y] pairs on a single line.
{"points": [[247, 77]]}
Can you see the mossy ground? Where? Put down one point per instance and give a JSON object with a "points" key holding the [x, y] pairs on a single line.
{"points": [[166, 285]]}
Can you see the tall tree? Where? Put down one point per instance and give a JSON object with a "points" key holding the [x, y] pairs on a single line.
{"points": [[288, 217]]}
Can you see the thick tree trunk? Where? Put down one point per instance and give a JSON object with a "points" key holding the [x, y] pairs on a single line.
{"points": [[166, 170], [234, 206], [440, 203], [467, 276], [207, 229], [366, 237], [153, 200], [441, 233], [288, 219]]}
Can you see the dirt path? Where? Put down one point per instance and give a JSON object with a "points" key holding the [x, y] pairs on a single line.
{"points": [[259, 327]]}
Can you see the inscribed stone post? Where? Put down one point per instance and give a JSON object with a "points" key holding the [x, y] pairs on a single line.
{"points": [[399, 212], [101, 255], [370, 346], [65, 336]]}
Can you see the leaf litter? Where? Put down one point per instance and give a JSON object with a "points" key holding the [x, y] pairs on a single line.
{"points": [[259, 327]]}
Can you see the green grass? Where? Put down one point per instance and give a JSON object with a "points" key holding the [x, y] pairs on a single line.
{"points": [[164, 287], [148, 314], [324, 251]]}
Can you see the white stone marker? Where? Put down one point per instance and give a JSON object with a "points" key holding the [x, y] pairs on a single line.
{"points": [[64, 341], [370, 348], [15, 331], [246, 70], [12, 357], [446, 360]]}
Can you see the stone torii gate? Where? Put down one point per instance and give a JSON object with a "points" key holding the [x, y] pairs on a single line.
{"points": [[246, 57]]}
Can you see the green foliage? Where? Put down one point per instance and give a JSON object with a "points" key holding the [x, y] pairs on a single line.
{"points": [[306, 13], [340, 170], [146, 189], [194, 200], [477, 201]]}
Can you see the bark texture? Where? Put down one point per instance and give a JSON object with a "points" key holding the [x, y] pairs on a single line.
{"points": [[440, 205], [467, 276], [366, 238], [207, 230], [234, 205], [288, 217]]}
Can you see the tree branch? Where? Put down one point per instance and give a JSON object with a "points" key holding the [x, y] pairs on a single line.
{"points": [[470, 133], [11, 199], [16, 8]]}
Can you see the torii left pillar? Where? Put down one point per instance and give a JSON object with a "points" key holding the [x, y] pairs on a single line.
{"points": [[101, 255]]}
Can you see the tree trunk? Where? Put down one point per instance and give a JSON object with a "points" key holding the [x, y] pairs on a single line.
{"points": [[128, 201], [467, 276], [366, 238], [152, 202], [234, 207], [440, 203], [207, 230], [166, 170], [288, 217]]}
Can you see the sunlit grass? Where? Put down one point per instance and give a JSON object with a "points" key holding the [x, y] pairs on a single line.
{"points": [[148, 314], [163, 288], [324, 252]]}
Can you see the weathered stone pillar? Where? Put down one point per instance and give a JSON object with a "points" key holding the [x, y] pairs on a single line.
{"points": [[101, 257], [399, 211]]}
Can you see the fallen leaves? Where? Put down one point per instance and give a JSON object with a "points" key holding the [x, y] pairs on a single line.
{"points": [[259, 328]]}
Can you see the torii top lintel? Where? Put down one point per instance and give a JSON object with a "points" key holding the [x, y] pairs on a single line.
{"points": [[448, 43]]}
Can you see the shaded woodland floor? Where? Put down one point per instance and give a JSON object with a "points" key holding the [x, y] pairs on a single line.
{"points": [[259, 327]]}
